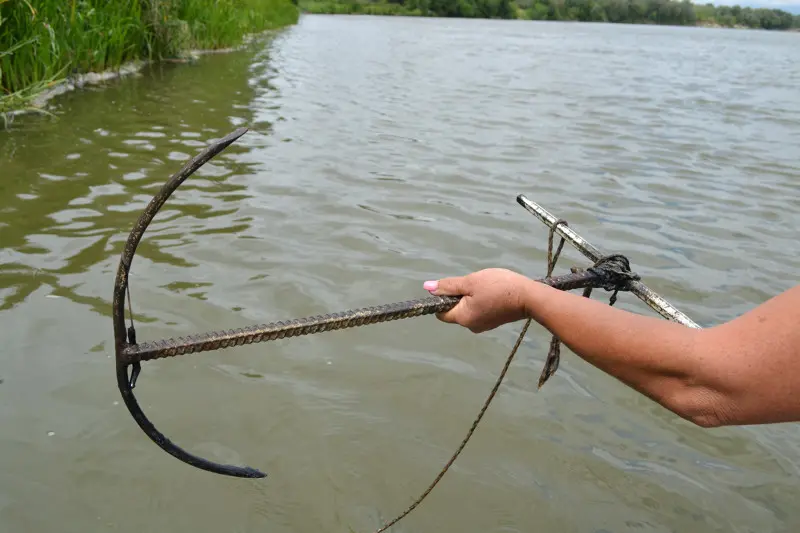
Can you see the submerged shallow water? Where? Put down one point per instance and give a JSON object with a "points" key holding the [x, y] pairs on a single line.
{"points": [[383, 152]]}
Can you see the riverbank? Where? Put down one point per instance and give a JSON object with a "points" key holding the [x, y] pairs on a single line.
{"points": [[661, 12], [58, 45]]}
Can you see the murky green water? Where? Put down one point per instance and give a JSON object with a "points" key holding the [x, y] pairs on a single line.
{"points": [[384, 152]]}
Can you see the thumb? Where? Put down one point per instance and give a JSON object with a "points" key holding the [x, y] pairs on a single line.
{"points": [[458, 286]]}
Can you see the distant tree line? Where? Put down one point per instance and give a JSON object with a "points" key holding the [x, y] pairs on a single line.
{"points": [[622, 11], [663, 12], [768, 19], [667, 12], [500, 9]]}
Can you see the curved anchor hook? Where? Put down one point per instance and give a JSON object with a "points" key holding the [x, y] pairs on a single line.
{"points": [[125, 338]]}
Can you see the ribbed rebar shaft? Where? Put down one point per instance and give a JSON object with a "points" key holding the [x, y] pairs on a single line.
{"points": [[216, 340]]}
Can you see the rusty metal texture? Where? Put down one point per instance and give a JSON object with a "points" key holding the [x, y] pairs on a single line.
{"points": [[216, 340]]}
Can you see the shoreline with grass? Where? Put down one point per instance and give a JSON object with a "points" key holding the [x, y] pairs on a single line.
{"points": [[38, 100], [59, 45], [655, 12]]}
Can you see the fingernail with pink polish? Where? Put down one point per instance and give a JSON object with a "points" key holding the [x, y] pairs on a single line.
{"points": [[430, 285]]}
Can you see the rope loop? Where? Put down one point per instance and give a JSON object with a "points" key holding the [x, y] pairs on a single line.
{"points": [[615, 275]]}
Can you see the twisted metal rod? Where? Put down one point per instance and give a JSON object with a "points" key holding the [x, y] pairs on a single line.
{"points": [[216, 340]]}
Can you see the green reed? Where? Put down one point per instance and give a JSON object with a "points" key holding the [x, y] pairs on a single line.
{"points": [[43, 41], [217, 24]]}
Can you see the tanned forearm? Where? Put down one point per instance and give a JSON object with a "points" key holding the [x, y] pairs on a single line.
{"points": [[656, 357], [705, 376], [746, 371]]}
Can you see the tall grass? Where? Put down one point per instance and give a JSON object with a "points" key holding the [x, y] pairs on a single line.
{"points": [[44, 40], [217, 24]]}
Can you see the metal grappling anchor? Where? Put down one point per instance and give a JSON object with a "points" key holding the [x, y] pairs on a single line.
{"points": [[611, 273]]}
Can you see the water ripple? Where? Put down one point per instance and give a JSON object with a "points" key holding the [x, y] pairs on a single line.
{"points": [[383, 152]]}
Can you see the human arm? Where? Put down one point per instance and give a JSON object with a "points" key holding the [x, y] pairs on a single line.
{"points": [[745, 371]]}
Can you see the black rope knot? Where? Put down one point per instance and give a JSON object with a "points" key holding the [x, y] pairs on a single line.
{"points": [[615, 272]]}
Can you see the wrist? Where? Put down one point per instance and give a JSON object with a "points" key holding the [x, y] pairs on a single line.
{"points": [[532, 294]]}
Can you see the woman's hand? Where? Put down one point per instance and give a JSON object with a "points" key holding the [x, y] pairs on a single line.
{"points": [[490, 298]]}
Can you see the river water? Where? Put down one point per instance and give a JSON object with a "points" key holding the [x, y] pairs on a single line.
{"points": [[383, 152]]}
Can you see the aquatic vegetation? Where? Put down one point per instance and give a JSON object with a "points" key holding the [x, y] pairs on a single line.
{"points": [[44, 41]]}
